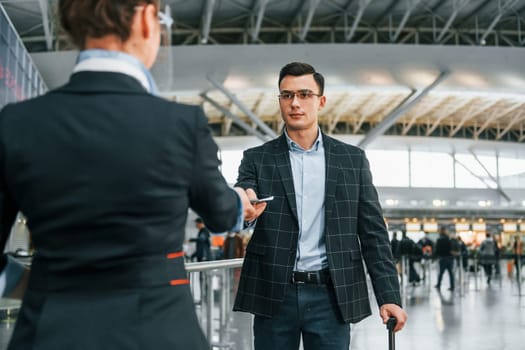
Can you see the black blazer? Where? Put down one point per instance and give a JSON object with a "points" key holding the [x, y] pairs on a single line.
{"points": [[354, 230], [105, 174]]}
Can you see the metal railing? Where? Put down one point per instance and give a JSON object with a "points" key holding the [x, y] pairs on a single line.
{"points": [[213, 280]]}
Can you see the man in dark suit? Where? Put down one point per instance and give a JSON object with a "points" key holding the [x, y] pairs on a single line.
{"points": [[202, 241], [303, 273], [105, 172]]}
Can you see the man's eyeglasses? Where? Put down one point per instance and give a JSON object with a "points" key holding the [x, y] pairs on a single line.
{"points": [[301, 95]]}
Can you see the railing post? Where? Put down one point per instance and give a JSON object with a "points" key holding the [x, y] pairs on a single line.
{"points": [[518, 272], [223, 292], [476, 272], [461, 276], [209, 303], [404, 277], [208, 270]]}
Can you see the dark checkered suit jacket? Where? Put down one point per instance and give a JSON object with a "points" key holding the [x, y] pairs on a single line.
{"points": [[354, 229]]}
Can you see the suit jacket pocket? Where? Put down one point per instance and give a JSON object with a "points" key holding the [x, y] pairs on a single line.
{"points": [[89, 321]]}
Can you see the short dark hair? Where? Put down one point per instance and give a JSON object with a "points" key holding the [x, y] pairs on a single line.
{"points": [[297, 69], [98, 18], [199, 220]]}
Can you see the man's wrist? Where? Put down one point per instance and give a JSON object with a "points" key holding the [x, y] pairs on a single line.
{"points": [[2, 283], [250, 224], [3, 262], [11, 275], [240, 215]]}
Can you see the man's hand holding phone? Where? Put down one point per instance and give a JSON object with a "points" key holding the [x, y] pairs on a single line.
{"points": [[252, 206], [258, 204], [261, 200]]}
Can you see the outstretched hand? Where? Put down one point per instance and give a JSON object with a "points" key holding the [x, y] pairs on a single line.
{"points": [[251, 210]]}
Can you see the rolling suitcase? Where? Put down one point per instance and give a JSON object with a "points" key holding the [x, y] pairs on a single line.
{"points": [[390, 325]]}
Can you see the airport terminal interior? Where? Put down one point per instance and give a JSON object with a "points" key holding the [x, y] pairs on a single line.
{"points": [[432, 90]]}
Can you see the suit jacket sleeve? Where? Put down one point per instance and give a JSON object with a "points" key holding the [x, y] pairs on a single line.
{"points": [[374, 241], [210, 196]]}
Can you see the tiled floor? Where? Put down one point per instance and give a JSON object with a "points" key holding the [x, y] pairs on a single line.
{"points": [[8, 310], [475, 317], [491, 318]]}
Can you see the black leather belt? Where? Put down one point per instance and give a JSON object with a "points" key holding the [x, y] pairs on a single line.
{"points": [[311, 277]]}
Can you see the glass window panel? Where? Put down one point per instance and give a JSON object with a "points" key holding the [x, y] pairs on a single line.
{"points": [[28, 81], [512, 172], [42, 87], [4, 27], [389, 168], [465, 179], [511, 166], [21, 53], [231, 160], [468, 161], [18, 76], [490, 163], [11, 40], [431, 169], [3, 61], [36, 84]]}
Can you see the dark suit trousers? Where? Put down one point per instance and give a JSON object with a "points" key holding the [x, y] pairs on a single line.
{"points": [[310, 310]]}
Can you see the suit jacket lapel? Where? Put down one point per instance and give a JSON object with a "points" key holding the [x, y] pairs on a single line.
{"points": [[282, 161], [332, 169]]}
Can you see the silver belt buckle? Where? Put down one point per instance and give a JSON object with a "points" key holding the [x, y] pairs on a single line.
{"points": [[294, 281]]}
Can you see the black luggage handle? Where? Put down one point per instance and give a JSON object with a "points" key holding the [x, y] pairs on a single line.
{"points": [[390, 325]]}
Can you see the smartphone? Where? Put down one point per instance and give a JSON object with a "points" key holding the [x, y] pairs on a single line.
{"points": [[260, 200]]}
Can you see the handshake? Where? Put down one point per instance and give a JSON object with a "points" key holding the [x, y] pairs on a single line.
{"points": [[251, 205]]}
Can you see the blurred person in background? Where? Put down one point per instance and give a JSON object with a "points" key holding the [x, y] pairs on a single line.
{"points": [[426, 245], [233, 246], [408, 250], [202, 242], [443, 253], [488, 255], [517, 249]]}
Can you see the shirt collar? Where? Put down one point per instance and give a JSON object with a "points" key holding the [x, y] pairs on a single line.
{"points": [[293, 146], [117, 62]]}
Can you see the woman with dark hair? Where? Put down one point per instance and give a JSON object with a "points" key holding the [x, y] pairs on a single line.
{"points": [[106, 193]]}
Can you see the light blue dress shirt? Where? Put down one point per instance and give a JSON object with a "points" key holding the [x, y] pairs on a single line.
{"points": [[115, 61], [308, 170]]}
